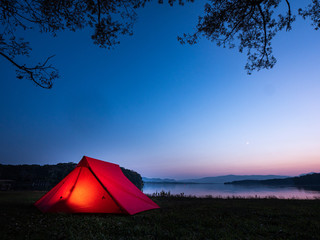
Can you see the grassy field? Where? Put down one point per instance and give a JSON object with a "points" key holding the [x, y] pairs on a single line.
{"points": [[178, 218]]}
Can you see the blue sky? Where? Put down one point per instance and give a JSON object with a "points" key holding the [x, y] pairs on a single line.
{"points": [[165, 109]]}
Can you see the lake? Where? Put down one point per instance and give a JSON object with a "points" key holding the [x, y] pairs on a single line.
{"points": [[229, 190]]}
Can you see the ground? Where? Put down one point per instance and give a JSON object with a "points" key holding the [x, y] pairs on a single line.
{"points": [[178, 218]]}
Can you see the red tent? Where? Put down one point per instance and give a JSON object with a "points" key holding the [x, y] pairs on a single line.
{"points": [[95, 186]]}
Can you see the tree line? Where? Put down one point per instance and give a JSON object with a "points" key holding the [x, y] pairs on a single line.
{"points": [[45, 177]]}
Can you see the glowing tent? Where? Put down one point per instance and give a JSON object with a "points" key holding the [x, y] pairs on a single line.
{"points": [[95, 186]]}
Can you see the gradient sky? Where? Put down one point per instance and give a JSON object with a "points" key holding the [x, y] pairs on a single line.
{"points": [[167, 110]]}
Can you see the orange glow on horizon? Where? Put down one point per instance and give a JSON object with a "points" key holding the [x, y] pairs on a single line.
{"points": [[293, 167]]}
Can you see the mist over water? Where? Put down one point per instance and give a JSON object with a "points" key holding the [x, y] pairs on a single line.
{"points": [[229, 190]]}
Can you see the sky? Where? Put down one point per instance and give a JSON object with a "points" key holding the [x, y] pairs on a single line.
{"points": [[164, 109]]}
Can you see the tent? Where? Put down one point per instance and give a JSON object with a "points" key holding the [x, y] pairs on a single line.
{"points": [[95, 186]]}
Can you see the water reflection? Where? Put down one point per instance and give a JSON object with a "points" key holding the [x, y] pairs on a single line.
{"points": [[222, 190]]}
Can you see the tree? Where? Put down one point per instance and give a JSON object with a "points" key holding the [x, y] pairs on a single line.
{"points": [[109, 19], [36, 177], [249, 24], [313, 12], [252, 22]]}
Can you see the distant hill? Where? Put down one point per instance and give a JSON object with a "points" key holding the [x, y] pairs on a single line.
{"points": [[312, 179], [158, 180], [229, 178], [303, 174], [218, 179]]}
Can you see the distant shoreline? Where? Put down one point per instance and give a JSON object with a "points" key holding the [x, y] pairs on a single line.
{"points": [[309, 180], [180, 183]]}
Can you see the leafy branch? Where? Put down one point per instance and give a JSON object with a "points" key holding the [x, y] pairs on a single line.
{"points": [[250, 24]]}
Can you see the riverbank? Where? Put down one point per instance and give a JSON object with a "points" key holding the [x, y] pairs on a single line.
{"points": [[178, 218]]}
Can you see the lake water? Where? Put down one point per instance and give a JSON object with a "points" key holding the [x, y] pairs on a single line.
{"points": [[229, 190]]}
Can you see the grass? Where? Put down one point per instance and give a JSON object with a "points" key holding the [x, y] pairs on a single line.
{"points": [[179, 217]]}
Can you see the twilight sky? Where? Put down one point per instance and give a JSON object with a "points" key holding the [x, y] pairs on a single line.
{"points": [[167, 110]]}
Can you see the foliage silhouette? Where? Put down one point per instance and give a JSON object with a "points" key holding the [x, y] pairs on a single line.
{"points": [[249, 24], [36, 177], [109, 19]]}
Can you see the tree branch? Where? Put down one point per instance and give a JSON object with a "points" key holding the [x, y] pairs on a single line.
{"points": [[99, 12], [30, 71], [238, 23], [289, 14], [265, 35]]}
